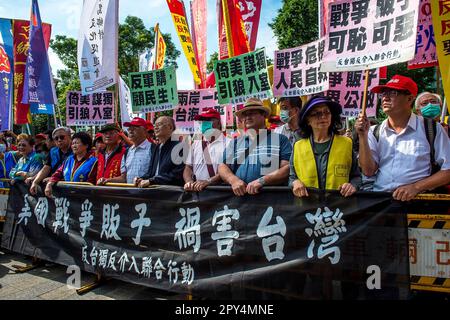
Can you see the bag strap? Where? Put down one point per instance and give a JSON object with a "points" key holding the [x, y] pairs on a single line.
{"points": [[208, 159], [376, 132], [430, 131]]}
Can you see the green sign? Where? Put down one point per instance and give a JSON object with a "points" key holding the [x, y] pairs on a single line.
{"points": [[242, 77], [153, 91]]}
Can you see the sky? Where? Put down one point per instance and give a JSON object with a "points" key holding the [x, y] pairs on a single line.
{"points": [[64, 15]]}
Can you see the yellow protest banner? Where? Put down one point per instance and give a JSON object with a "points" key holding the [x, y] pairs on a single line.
{"points": [[440, 11], [160, 49], [178, 12]]}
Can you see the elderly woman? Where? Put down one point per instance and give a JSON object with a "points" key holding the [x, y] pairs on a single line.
{"points": [[30, 163], [81, 166], [322, 158]]}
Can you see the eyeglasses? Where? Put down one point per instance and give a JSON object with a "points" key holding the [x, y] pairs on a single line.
{"points": [[391, 93], [320, 114], [59, 138]]}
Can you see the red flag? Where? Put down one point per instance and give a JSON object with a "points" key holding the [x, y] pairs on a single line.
{"points": [[251, 11], [199, 31], [231, 21], [21, 33]]}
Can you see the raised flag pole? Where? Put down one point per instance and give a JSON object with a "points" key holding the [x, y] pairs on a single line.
{"points": [[444, 110], [366, 86], [116, 89]]}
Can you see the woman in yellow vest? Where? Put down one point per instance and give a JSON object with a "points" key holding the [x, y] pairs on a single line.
{"points": [[322, 158]]}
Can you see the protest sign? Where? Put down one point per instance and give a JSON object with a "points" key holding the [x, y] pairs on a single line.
{"points": [[153, 91], [367, 34], [296, 70], [242, 77], [89, 110]]}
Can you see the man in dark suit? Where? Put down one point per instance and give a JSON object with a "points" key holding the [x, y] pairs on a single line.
{"points": [[166, 163]]}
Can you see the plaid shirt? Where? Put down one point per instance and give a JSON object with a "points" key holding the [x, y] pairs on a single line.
{"points": [[136, 161]]}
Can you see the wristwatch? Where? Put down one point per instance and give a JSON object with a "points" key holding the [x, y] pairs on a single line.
{"points": [[262, 181]]}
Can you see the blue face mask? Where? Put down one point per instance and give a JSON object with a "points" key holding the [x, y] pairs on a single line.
{"points": [[284, 116], [2, 148], [205, 126], [431, 110]]}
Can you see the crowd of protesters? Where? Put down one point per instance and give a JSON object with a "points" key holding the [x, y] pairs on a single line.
{"points": [[305, 147]]}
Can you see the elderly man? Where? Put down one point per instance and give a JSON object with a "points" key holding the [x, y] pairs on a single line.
{"points": [[136, 159], [205, 155], [166, 165], [289, 111], [110, 159], [428, 105], [57, 155], [258, 157], [397, 151]]}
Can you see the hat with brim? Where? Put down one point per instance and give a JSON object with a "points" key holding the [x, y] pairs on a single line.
{"points": [[335, 107], [253, 104], [398, 82], [109, 127]]}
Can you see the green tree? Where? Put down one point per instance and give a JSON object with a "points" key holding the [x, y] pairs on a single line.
{"points": [[296, 23], [134, 38]]}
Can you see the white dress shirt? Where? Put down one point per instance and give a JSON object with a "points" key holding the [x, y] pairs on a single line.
{"points": [[404, 158]]}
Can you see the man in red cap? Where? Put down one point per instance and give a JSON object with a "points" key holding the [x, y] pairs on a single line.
{"points": [[205, 155], [110, 159], [136, 159], [150, 132], [397, 152]]}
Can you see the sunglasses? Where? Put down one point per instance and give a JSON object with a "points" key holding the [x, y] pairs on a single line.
{"points": [[320, 114], [59, 138]]}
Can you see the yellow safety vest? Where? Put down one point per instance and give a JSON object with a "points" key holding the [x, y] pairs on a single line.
{"points": [[339, 163]]}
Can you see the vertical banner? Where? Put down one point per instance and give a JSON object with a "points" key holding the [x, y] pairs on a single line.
{"points": [[347, 88], [21, 33], [243, 77], [145, 60], [441, 22], [237, 41], [296, 70], [38, 78], [6, 74], [89, 110], [223, 46], [370, 34], [199, 17], [251, 12], [160, 49], [98, 45], [178, 12], [425, 43], [192, 103], [126, 111], [153, 91]]}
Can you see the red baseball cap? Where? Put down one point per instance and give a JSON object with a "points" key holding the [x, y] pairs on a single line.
{"points": [[150, 126], [41, 136], [398, 82], [98, 136], [136, 122], [208, 113]]}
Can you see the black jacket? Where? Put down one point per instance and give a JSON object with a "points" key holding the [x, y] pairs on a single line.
{"points": [[169, 173]]}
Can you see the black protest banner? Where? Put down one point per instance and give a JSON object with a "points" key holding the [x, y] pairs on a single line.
{"points": [[215, 244]]}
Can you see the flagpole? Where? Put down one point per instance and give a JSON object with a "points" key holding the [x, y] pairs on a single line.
{"points": [[116, 90], [366, 86], [155, 45], [319, 20]]}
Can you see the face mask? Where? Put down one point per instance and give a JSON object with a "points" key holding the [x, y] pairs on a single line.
{"points": [[431, 110], [284, 116], [205, 126], [2, 148]]}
